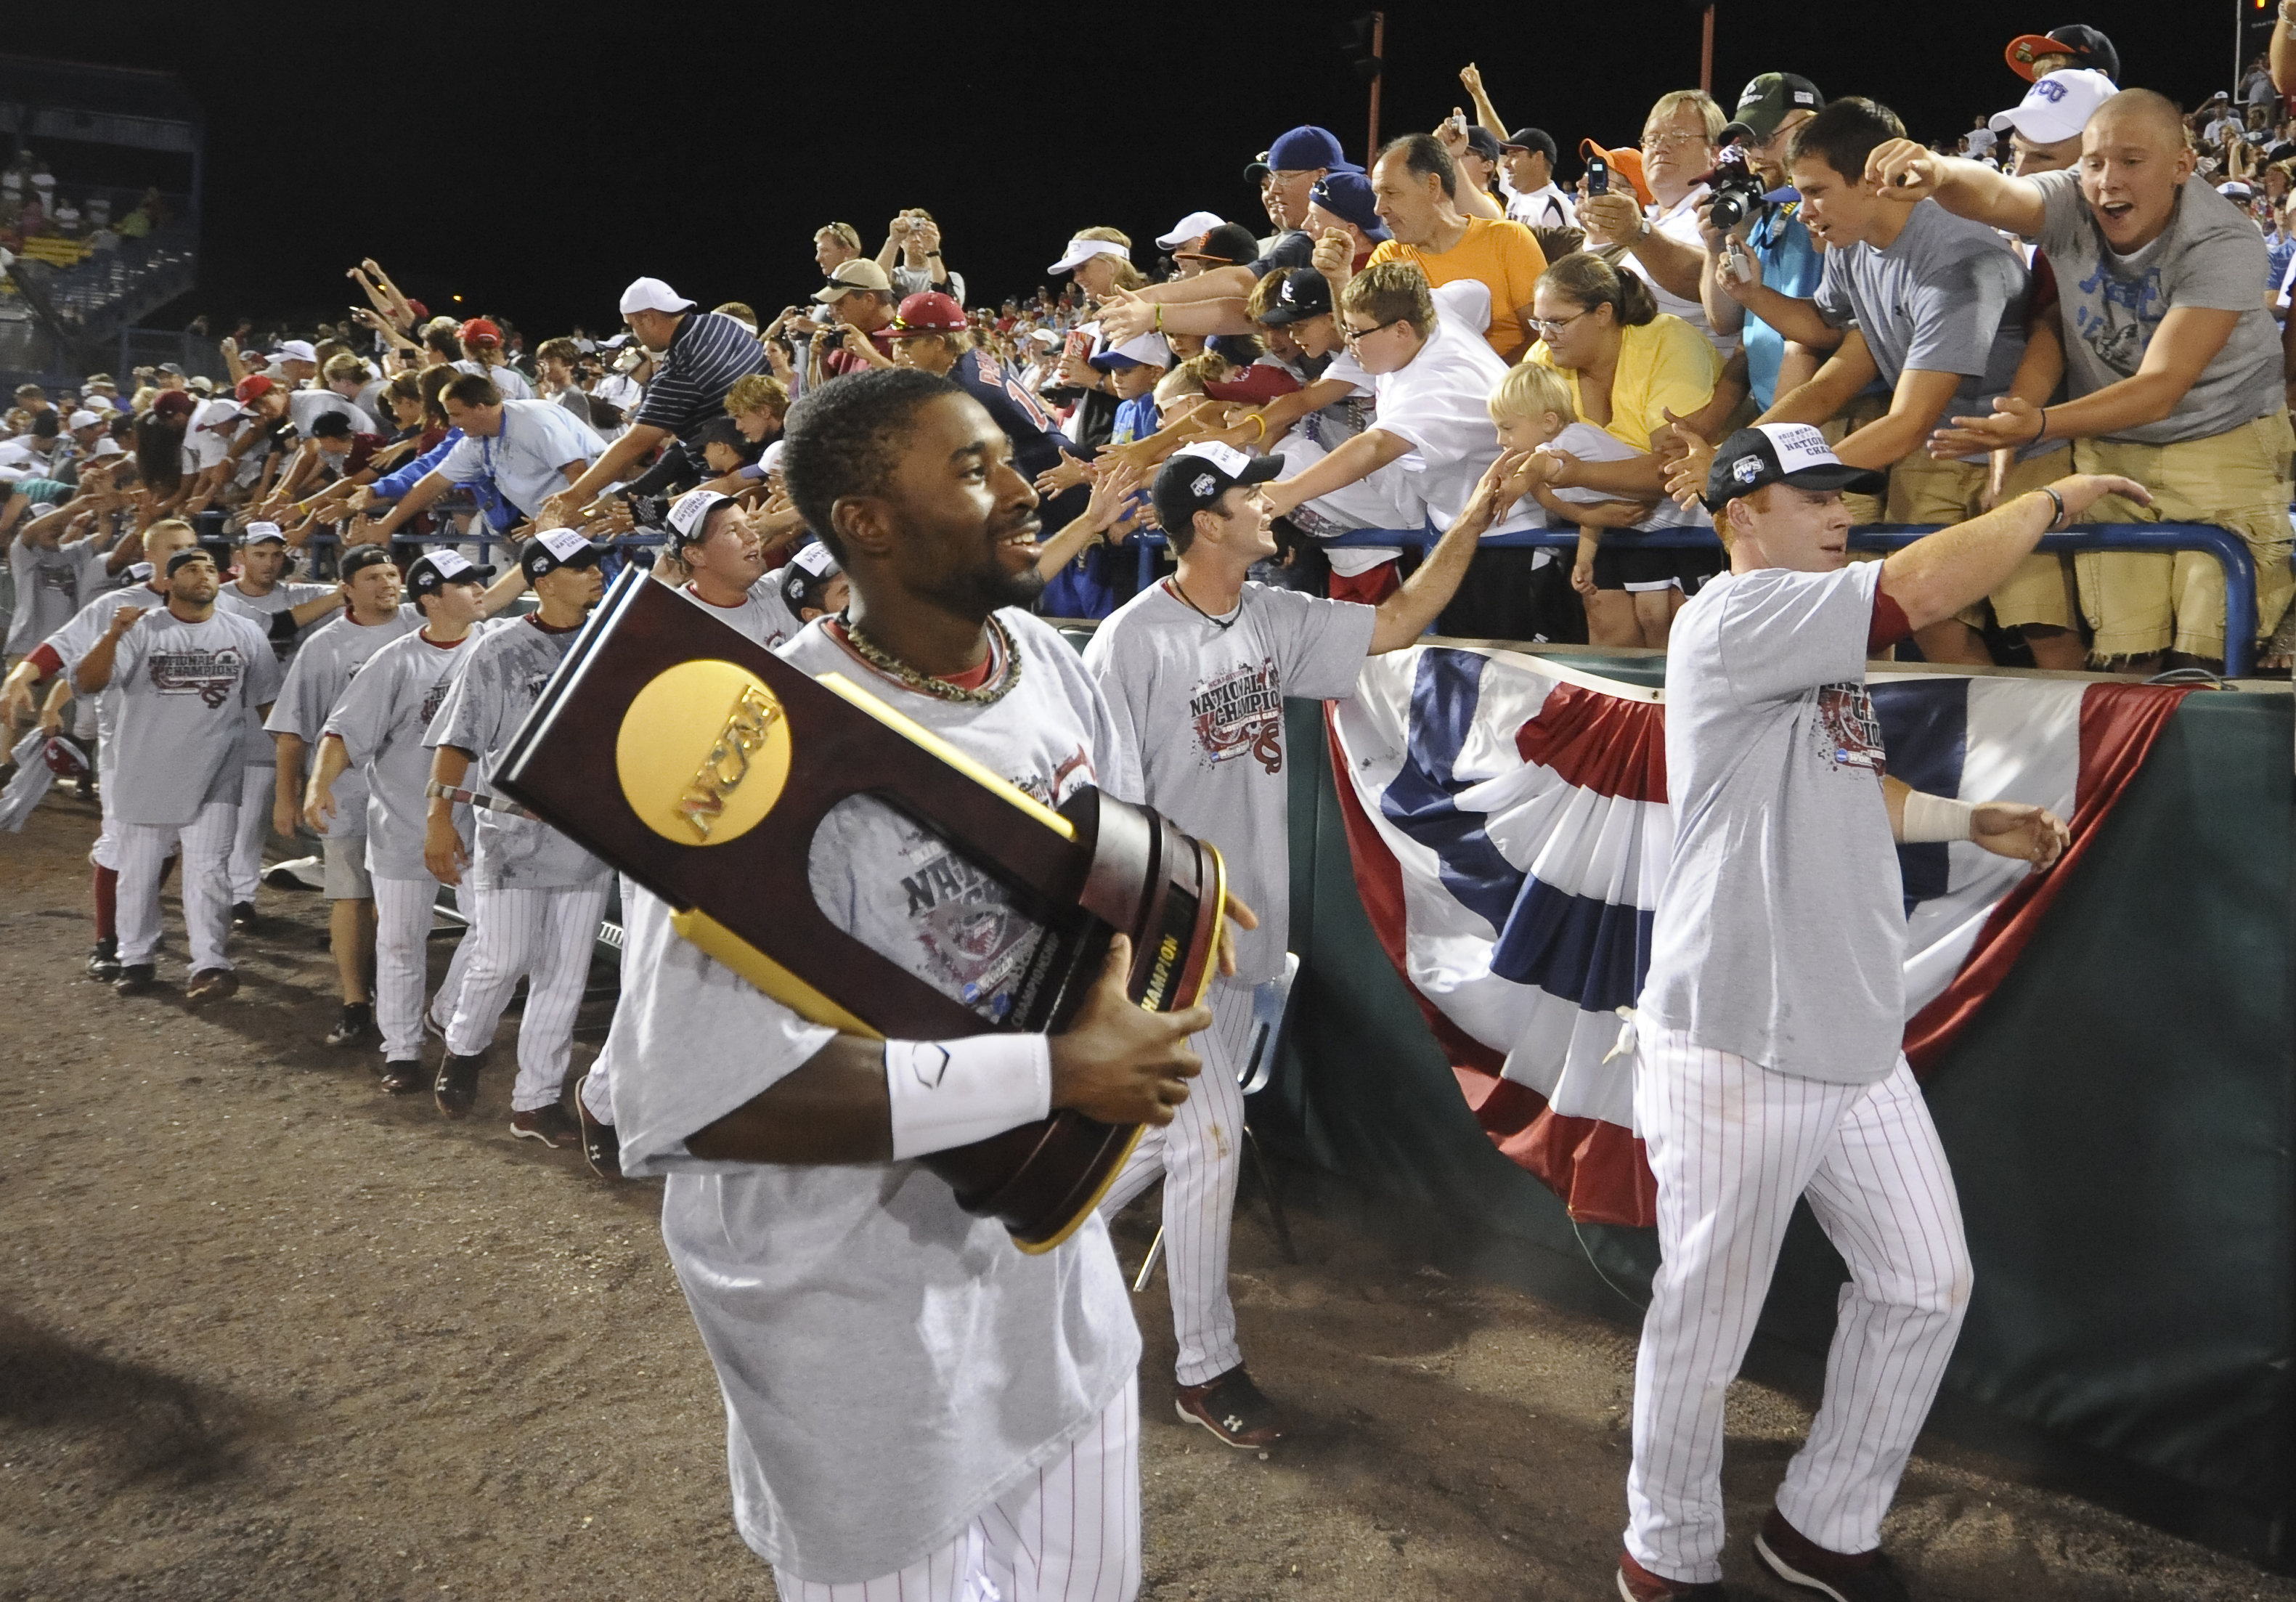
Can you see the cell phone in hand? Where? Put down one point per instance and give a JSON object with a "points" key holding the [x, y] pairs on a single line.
{"points": [[1598, 175]]}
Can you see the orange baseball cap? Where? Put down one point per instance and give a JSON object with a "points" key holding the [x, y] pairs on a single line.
{"points": [[1628, 161]]}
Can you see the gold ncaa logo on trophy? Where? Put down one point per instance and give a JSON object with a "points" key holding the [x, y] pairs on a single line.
{"points": [[703, 753]]}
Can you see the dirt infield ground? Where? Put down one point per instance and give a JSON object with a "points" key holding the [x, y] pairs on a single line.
{"points": [[267, 1334]]}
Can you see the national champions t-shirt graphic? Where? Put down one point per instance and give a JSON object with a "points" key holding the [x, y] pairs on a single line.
{"points": [[1848, 731], [213, 676], [1241, 710]]}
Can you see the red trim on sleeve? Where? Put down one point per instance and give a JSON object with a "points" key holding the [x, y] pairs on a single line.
{"points": [[46, 660], [1889, 624]]}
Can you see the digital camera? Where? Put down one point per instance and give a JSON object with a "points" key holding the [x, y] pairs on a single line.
{"points": [[1738, 189]]}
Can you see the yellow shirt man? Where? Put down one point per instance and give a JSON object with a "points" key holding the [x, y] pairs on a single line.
{"points": [[1503, 257]]}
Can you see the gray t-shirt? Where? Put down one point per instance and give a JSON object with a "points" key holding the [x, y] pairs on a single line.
{"points": [[891, 1364], [762, 618], [315, 680], [184, 691], [77, 638], [1781, 926], [51, 586], [502, 674], [257, 748], [381, 717], [1948, 296], [1203, 707], [2210, 256]]}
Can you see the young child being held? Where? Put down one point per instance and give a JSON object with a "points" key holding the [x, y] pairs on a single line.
{"points": [[1630, 595]]}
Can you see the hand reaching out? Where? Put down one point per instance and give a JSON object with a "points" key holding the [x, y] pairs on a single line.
{"points": [[2033, 835], [1124, 316], [1069, 473]]}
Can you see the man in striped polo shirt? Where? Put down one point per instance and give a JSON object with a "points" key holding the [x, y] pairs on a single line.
{"points": [[700, 356]]}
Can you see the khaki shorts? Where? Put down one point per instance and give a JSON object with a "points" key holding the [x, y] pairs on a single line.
{"points": [[1861, 410], [2141, 604], [346, 875], [1923, 490]]}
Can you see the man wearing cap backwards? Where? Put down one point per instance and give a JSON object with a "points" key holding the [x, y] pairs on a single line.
{"points": [[538, 894], [283, 610], [186, 674], [2172, 364], [1002, 1445], [701, 356], [2035, 56], [221, 439], [1195, 669], [373, 733], [1768, 1066], [59, 654], [482, 355]]}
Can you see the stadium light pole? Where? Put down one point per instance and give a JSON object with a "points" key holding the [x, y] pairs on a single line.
{"points": [[1706, 53], [1379, 71]]}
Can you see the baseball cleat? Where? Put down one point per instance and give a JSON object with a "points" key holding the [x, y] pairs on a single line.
{"points": [[136, 978], [211, 984], [1232, 1407], [1638, 1584], [601, 1147], [404, 1078], [357, 1025], [103, 959], [1843, 1576], [457, 1084], [550, 1125]]}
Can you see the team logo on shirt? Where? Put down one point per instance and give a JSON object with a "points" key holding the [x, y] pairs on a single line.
{"points": [[967, 931], [1070, 774], [1240, 711], [436, 699], [212, 676], [1848, 731]]}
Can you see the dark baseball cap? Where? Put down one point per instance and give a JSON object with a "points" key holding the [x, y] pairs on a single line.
{"points": [[548, 552], [1195, 479], [1769, 100], [1348, 195], [1231, 245], [1537, 139], [2086, 45], [1782, 453], [1304, 293], [365, 557], [189, 553], [805, 581], [1302, 150], [436, 569], [1483, 141]]}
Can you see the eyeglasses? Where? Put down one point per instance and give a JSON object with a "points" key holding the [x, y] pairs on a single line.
{"points": [[1356, 336], [1654, 142], [1547, 328]]}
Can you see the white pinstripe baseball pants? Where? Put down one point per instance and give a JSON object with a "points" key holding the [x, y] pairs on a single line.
{"points": [[143, 850], [1732, 1146], [258, 789], [402, 964], [596, 1091], [1200, 1154], [1068, 1533], [546, 935]]}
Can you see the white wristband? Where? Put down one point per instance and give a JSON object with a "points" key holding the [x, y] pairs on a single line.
{"points": [[948, 1093], [1929, 817]]}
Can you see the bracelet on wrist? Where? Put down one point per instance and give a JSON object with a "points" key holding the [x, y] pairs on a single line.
{"points": [[2042, 433], [2058, 501]]}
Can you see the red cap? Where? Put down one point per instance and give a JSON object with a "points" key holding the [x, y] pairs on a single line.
{"points": [[421, 312], [477, 331], [174, 402], [930, 312], [254, 387], [1628, 161]]}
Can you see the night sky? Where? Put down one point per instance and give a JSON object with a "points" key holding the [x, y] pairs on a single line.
{"points": [[533, 160]]}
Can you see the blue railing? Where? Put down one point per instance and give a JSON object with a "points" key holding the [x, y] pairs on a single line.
{"points": [[2230, 552]]}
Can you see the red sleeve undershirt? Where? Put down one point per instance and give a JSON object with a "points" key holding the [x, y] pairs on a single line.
{"points": [[47, 661], [1889, 624]]}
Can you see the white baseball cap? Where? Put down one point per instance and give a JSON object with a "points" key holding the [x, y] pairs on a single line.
{"points": [[107, 447], [2057, 107], [651, 294], [263, 534], [83, 419], [1189, 226], [689, 515], [1081, 250], [295, 350]]}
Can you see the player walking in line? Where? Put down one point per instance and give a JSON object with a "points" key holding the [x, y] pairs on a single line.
{"points": [[1195, 671], [1767, 1065], [377, 727], [186, 674], [539, 893]]}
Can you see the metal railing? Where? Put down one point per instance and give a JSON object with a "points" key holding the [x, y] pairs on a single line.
{"points": [[2230, 551]]}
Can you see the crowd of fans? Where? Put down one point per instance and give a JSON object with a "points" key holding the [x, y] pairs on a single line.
{"points": [[2089, 279]]}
